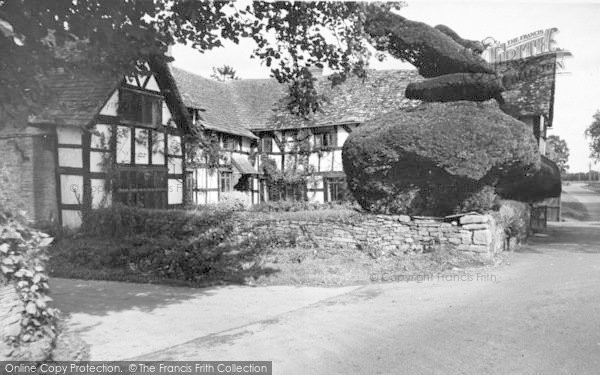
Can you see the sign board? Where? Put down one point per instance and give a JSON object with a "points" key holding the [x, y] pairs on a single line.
{"points": [[533, 44]]}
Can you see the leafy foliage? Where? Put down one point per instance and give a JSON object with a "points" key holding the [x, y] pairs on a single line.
{"points": [[557, 150], [224, 73], [22, 262], [120, 221], [593, 132], [297, 171], [191, 247], [39, 36]]}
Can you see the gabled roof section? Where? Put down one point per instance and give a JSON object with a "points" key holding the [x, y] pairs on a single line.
{"points": [[214, 99], [239, 106], [77, 97]]}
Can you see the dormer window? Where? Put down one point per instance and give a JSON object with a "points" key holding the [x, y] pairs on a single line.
{"points": [[140, 108], [231, 142], [325, 138]]}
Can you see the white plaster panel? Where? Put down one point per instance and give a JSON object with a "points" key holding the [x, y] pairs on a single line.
{"points": [[71, 189], [71, 218], [68, 135], [96, 161], [112, 105], [175, 165], [337, 161], [175, 194], [326, 161], [99, 192], [100, 137], [70, 157]]}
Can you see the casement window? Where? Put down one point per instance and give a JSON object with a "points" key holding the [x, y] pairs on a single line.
{"points": [[140, 108], [225, 185], [266, 144], [336, 189], [142, 186], [231, 142], [325, 138], [146, 148], [287, 191]]}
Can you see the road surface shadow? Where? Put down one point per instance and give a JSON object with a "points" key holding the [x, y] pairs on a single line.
{"points": [[103, 297]]}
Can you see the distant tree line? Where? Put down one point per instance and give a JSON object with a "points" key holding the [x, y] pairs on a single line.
{"points": [[582, 176]]}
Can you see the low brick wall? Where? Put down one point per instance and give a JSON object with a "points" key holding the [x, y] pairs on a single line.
{"points": [[480, 235]]}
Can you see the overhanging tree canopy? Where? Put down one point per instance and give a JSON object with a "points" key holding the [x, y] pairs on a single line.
{"points": [[36, 36]]}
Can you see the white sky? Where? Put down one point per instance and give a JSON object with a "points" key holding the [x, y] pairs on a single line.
{"points": [[577, 94]]}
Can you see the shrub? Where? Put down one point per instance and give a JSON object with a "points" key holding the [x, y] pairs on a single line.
{"points": [[480, 201], [515, 217], [234, 200], [129, 243], [294, 206], [22, 263], [120, 221]]}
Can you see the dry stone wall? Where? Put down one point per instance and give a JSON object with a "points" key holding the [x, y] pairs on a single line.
{"points": [[11, 310], [480, 235]]}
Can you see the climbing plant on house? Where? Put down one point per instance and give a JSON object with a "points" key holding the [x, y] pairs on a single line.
{"points": [[291, 181]]}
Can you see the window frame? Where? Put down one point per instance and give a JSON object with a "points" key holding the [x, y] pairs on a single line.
{"points": [[144, 96], [225, 180], [130, 189], [325, 138]]}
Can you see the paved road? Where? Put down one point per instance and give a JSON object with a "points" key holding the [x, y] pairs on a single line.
{"points": [[541, 315], [587, 202]]}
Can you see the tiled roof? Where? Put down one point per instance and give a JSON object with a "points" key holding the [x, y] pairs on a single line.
{"points": [[533, 91], [355, 100], [241, 163], [76, 98], [215, 99], [259, 104]]}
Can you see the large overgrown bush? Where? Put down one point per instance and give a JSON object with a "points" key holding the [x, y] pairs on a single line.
{"points": [[128, 243], [433, 159]]}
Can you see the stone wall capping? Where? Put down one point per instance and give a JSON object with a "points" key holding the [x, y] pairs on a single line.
{"points": [[472, 232]]}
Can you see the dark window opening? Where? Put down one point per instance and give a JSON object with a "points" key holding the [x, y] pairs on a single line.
{"points": [[142, 187], [230, 142], [225, 182], [267, 144], [325, 138], [140, 108], [281, 191], [337, 189], [244, 183]]}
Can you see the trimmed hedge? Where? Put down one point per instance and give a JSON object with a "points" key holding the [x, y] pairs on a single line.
{"points": [[431, 51], [459, 86], [536, 186], [474, 45], [430, 160]]}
